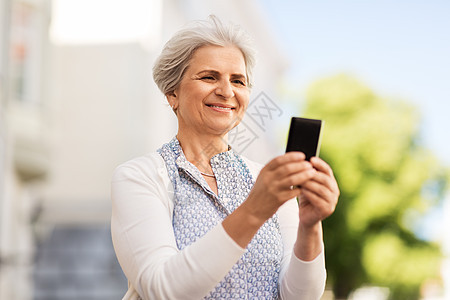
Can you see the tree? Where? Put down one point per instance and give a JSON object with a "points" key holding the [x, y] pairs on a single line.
{"points": [[387, 180]]}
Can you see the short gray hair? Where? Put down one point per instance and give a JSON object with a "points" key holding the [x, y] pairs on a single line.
{"points": [[175, 57]]}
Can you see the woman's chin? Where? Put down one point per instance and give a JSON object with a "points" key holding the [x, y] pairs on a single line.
{"points": [[222, 127]]}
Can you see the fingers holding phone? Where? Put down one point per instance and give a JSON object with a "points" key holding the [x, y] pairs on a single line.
{"points": [[273, 187], [320, 194]]}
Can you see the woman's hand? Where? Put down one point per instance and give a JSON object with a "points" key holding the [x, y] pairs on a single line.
{"points": [[319, 196], [273, 187], [317, 201], [277, 183]]}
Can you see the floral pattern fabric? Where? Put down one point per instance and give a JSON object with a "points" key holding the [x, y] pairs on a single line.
{"points": [[197, 209]]}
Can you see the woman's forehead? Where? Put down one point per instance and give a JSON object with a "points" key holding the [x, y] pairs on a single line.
{"points": [[218, 58]]}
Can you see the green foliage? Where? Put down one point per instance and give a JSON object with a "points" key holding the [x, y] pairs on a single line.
{"points": [[387, 180]]}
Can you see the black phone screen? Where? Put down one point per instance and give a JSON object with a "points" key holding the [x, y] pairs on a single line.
{"points": [[304, 136]]}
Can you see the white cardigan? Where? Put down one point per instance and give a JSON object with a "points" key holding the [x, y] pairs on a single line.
{"points": [[143, 238]]}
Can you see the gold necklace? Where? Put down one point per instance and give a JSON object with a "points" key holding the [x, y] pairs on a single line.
{"points": [[209, 175]]}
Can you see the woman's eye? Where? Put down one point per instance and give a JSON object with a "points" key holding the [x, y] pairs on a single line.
{"points": [[239, 82], [208, 77]]}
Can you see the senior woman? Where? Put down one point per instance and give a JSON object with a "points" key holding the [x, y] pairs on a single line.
{"points": [[195, 219]]}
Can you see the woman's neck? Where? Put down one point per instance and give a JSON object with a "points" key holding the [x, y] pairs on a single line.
{"points": [[200, 148]]}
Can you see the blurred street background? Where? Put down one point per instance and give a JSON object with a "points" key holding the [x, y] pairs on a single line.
{"points": [[77, 99]]}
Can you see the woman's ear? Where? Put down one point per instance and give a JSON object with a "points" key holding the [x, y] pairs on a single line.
{"points": [[172, 99]]}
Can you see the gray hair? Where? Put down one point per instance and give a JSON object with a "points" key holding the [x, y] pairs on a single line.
{"points": [[175, 57]]}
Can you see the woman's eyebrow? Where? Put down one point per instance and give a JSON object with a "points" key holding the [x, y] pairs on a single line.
{"points": [[216, 73], [239, 76], [212, 72]]}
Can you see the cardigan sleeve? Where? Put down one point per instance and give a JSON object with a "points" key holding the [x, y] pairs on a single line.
{"points": [[144, 241], [298, 279]]}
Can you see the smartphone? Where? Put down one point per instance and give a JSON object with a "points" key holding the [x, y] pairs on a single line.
{"points": [[304, 136]]}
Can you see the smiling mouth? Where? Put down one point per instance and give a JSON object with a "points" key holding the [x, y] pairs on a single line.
{"points": [[220, 107]]}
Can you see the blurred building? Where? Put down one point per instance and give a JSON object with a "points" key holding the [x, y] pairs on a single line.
{"points": [[77, 99], [24, 147]]}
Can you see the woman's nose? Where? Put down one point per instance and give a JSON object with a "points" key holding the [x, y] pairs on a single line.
{"points": [[225, 89]]}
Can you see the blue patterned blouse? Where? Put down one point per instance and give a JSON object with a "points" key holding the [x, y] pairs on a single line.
{"points": [[197, 209]]}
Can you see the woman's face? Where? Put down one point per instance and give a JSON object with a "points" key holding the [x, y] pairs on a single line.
{"points": [[213, 94]]}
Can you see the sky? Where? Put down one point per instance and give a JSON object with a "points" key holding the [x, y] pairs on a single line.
{"points": [[400, 49]]}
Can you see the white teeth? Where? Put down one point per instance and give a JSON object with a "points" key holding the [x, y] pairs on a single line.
{"points": [[229, 108]]}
